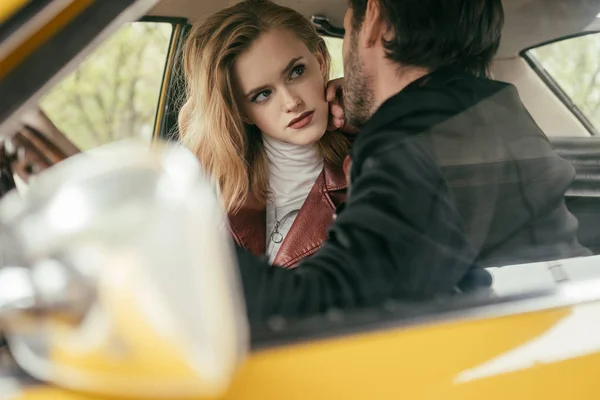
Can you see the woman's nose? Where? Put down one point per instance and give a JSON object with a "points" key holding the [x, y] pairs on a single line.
{"points": [[291, 101]]}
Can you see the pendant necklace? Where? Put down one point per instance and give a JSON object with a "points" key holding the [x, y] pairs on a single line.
{"points": [[275, 235]]}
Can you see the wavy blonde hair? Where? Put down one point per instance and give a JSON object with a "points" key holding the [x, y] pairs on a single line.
{"points": [[210, 121]]}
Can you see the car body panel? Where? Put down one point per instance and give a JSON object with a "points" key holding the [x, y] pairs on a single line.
{"points": [[9, 7], [494, 358]]}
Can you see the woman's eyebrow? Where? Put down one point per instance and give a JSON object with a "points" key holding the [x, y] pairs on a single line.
{"points": [[290, 65], [284, 71]]}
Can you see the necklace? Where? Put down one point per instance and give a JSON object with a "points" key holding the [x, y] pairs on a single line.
{"points": [[275, 235]]}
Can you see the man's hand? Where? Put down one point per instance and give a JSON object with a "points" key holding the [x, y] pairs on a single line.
{"points": [[333, 95]]}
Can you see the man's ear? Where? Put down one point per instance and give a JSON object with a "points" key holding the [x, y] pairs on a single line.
{"points": [[374, 26]]}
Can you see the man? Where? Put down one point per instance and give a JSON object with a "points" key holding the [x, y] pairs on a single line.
{"points": [[449, 172]]}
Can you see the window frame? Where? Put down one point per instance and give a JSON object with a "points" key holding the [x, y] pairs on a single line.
{"points": [[395, 314], [553, 85], [173, 82], [170, 77], [160, 107]]}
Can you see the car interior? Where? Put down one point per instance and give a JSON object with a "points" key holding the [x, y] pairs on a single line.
{"points": [[529, 24]]}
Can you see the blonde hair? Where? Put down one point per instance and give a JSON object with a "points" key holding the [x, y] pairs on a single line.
{"points": [[210, 121]]}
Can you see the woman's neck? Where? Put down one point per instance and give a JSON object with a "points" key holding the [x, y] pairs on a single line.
{"points": [[293, 169]]}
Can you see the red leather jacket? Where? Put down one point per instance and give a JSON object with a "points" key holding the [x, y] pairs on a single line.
{"points": [[308, 231]]}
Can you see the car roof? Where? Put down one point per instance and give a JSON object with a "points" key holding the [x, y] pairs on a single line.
{"points": [[528, 22]]}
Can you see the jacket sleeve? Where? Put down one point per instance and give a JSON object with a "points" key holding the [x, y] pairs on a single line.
{"points": [[399, 236]]}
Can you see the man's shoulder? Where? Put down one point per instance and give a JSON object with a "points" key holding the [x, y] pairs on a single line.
{"points": [[420, 106], [450, 107]]}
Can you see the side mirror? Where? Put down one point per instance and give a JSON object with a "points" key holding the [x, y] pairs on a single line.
{"points": [[118, 276]]}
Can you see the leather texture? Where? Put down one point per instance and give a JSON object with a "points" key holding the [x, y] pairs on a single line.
{"points": [[309, 229]]}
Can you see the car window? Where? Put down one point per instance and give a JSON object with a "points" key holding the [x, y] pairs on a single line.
{"points": [[572, 68], [114, 93], [334, 45]]}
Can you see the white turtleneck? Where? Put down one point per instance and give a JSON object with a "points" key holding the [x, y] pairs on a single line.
{"points": [[293, 170]]}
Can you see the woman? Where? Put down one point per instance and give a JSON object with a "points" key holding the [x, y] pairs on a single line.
{"points": [[256, 116]]}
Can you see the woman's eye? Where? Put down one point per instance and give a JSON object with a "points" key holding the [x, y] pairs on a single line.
{"points": [[262, 96], [297, 71]]}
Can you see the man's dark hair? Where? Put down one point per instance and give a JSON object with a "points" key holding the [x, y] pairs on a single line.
{"points": [[438, 33]]}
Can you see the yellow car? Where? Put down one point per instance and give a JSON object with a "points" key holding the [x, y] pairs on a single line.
{"points": [[78, 74]]}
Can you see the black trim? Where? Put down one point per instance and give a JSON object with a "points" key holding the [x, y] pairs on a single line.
{"points": [[21, 17], [394, 315], [175, 91], [171, 20], [554, 86], [21, 84], [7, 184], [325, 28]]}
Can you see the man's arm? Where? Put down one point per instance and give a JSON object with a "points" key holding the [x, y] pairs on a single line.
{"points": [[399, 236]]}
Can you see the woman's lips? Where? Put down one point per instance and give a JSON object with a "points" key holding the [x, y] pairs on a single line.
{"points": [[302, 120]]}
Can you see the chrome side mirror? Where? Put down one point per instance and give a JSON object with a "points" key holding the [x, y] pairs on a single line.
{"points": [[118, 276]]}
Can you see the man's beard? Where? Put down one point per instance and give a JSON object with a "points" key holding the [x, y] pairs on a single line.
{"points": [[358, 97]]}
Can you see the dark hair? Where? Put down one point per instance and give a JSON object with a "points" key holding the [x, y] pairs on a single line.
{"points": [[438, 33]]}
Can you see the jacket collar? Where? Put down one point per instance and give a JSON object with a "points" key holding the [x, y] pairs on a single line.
{"points": [[248, 225], [335, 179], [309, 229], [428, 92]]}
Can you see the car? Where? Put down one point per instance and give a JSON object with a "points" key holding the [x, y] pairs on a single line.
{"points": [[535, 335]]}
